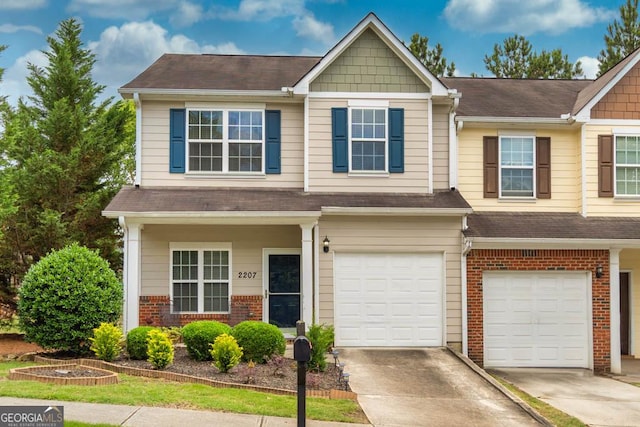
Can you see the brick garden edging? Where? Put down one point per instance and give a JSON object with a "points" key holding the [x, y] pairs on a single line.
{"points": [[107, 378], [182, 378]]}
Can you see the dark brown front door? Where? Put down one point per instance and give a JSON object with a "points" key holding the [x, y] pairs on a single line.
{"points": [[624, 313]]}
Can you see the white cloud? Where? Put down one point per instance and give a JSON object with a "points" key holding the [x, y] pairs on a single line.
{"points": [[129, 9], [10, 28], [590, 66], [22, 4], [508, 16], [308, 26], [187, 14], [14, 82], [263, 10]]}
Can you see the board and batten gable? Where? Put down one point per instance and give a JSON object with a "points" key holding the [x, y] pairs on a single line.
{"points": [[566, 187], [363, 234], [155, 149]]}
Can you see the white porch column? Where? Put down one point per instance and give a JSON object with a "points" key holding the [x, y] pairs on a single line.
{"points": [[614, 315], [306, 265], [131, 274]]}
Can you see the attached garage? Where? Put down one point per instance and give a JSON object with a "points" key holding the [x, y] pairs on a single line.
{"points": [[389, 300], [536, 319]]}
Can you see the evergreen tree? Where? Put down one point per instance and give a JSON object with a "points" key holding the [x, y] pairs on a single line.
{"points": [[65, 156], [433, 59], [516, 59], [622, 38]]}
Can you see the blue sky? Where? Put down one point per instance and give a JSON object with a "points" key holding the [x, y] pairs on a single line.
{"points": [[128, 35]]}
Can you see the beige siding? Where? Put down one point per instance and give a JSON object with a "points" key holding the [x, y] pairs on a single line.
{"points": [[246, 252], [155, 151], [630, 262], [440, 147], [565, 173], [415, 176], [604, 206], [395, 235], [368, 65]]}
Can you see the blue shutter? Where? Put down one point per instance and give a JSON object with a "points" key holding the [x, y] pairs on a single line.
{"points": [[396, 140], [340, 140], [272, 144], [177, 127]]}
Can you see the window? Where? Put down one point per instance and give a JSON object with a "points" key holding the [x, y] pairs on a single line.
{"points": [[517, 166], [225, 141], [627, 169], [200, 280], [368, 139]]}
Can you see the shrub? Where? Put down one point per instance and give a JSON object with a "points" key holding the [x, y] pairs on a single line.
{"points": [[259, 340], [321, 338], [198, 337], [225, 352], [159, 348], [137, 342], [174, 333], [106, 342], [65, 295]]}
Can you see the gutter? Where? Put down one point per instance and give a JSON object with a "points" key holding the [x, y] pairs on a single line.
{"points": [[553, 243], [388, 211], [138, 159], [514, 120], [205, 92]]}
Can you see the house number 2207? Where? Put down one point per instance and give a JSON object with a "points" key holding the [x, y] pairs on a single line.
{"points": [[247, 275]]}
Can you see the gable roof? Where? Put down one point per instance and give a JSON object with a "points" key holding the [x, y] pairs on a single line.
{"points": [[496, 97], [184, 72]]}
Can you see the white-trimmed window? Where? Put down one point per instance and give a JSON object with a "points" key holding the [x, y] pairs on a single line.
{"points": [[627, 168], [517, 166], [200, 278], [225, 141], [368, 139]]}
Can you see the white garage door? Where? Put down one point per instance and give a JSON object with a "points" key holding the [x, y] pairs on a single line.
{"points": [[388, 300], [536, 319]]}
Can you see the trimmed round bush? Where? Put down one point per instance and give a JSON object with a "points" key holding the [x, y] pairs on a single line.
{"points": [[137, 342], [67, 294], [259, 340], [198, 337]]}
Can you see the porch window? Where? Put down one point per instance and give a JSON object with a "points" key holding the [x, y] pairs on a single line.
{"points": [[627, 170], [200, 280]]}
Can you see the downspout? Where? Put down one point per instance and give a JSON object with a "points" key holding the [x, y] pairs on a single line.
{"points": [[453, 141], [430, 144], [138, 105], [125, 270], [583, 167], [316, 274], [466, 248], [306, 143]]}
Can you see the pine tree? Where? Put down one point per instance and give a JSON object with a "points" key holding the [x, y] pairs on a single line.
{"points": [[433, 59], [622, 38]]}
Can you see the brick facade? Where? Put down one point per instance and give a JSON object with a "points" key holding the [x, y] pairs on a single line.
{"points": [[480, 260], [155, 310]]}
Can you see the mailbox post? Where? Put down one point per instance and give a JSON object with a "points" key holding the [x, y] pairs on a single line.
{"points": [[302, 354]]}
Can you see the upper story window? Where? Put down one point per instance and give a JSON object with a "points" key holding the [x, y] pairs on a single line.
{"points": [[368, 139], [517, 166], [225, 141], [627, 165]]}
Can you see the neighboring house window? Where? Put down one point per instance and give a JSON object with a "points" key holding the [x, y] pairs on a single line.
{"points": [[517, 172], [627, 168], [200, 280], [225, 141], [368, 139]]}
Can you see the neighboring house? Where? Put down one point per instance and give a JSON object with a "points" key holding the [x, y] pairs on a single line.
{"points": [[330, 189]]}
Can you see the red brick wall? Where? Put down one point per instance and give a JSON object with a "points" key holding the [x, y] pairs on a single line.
{"points": [[480, 260], [155, 311]]}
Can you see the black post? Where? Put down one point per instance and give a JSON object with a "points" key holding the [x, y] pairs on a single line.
{"points": [[302, 394]]}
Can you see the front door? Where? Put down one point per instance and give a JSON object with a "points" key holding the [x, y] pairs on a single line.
{"points": [[283, 290], [624, 313]]}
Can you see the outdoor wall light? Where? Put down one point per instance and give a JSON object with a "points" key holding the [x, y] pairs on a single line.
{"points": [[325, 244], [599, 271]]}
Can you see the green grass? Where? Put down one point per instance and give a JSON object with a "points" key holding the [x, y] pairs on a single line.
{"points": [[154, 392], [555, 416]]}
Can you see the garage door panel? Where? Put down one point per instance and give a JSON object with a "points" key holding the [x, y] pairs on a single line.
{"points": [[397, 301]]}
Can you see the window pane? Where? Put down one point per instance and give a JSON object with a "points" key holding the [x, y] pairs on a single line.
{"points": [[356, 116], [234, 118], [517, 182], [368, 156], [379, 116], [203, 155], [205, 118], [245, 157], [256, 133], [234, 132], [256, 118], [194, 132]]}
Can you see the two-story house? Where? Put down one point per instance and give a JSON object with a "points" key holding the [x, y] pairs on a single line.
{"points": [[330, 189]]}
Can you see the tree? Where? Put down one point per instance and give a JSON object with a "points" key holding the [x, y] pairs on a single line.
{"points": [[63, 154], [622, 38], [433, 59], [516, 59]]}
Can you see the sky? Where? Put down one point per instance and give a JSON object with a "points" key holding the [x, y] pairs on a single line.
{"points": [[126, 36]]}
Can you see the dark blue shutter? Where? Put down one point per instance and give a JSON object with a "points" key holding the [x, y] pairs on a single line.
{"points": [[396, 140], [272, 144], [340, 140], [177, 127]]}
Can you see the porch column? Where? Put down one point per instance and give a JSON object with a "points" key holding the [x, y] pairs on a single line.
{"points": [[614, 315], [306, 265], [131, 274]]}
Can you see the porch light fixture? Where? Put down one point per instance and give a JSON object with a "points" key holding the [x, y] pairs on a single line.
{"points": [[325, 244], [599, 271]]}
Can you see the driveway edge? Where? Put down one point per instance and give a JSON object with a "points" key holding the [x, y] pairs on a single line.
{"points": [[478, 370]]}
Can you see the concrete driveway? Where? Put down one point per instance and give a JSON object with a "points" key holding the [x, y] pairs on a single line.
{"points": [[426, 387], [594, 400]]}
